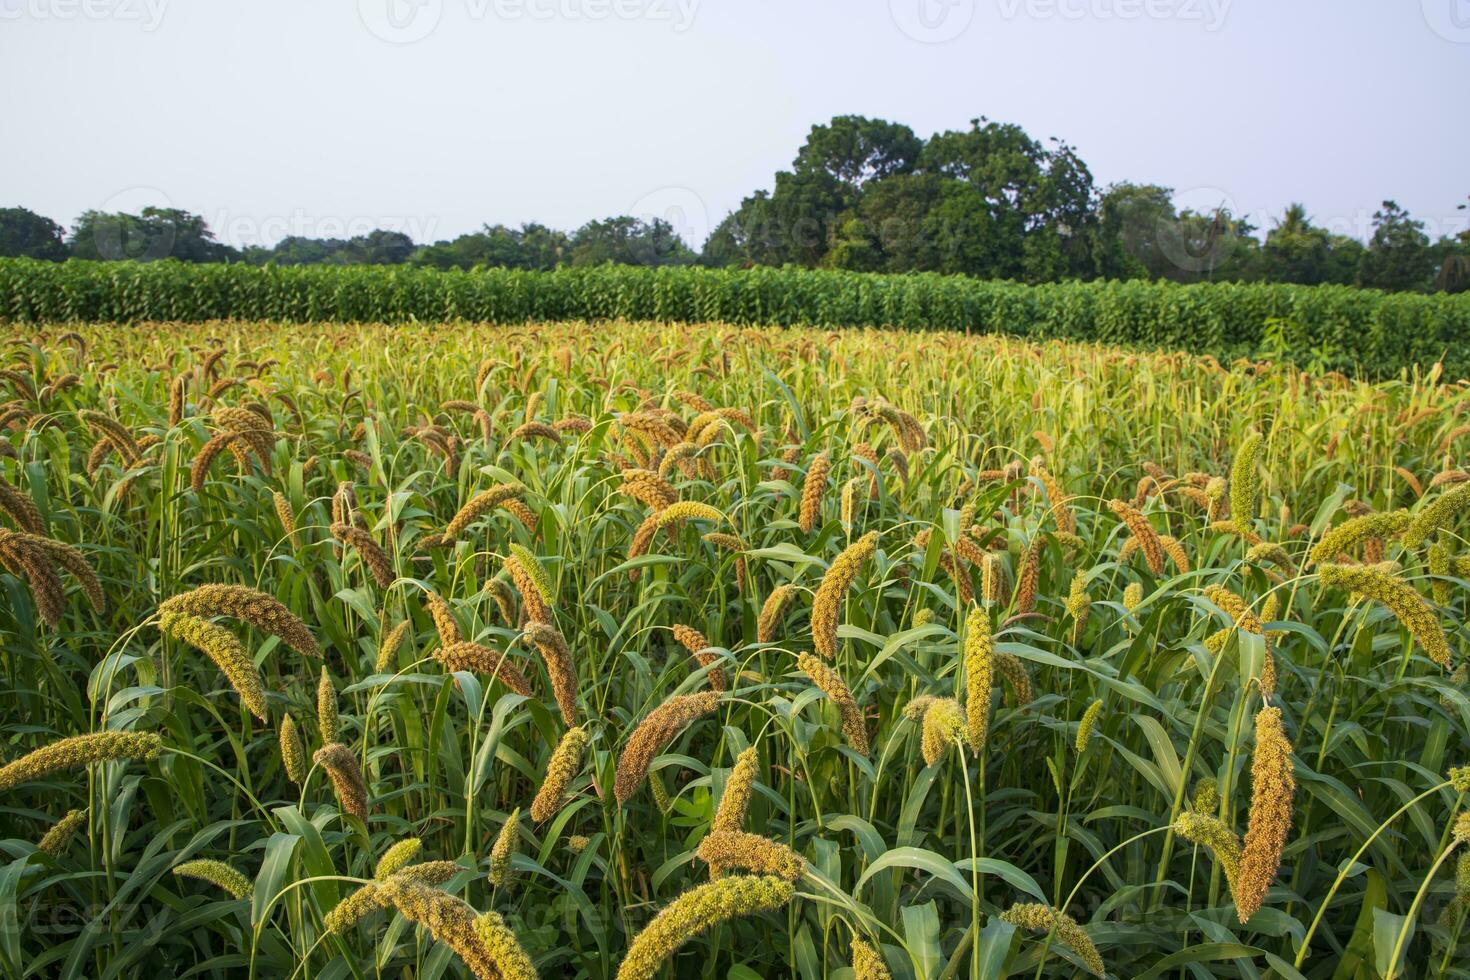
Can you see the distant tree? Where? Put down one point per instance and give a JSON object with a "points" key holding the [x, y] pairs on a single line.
{"points": [[1132, 219], [533, 246], [23, 233], [378, 247], [744, 237], [923, 222], [1453, 259], [1041, 201], [627, 240], [1300, 252], [1398, 256], [887, 229], [854, 150], [799, 221], [298, 250], [1210, 246], [155, 233]]}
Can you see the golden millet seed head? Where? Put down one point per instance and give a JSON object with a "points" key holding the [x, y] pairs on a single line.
{"points": [[1273, 786], [565, 763], [730, 815]]}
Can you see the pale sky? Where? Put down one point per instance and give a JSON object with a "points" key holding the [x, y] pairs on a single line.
{"points": [[330, 117]]}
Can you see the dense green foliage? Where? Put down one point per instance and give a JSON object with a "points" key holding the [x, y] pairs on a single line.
{"points": [[1340, 328]]}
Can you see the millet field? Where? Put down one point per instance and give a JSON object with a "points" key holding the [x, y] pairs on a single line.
{"points": [[622, 650]]}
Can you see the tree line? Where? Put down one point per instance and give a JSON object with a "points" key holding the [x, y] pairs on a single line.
{"points": [[866, 195]]}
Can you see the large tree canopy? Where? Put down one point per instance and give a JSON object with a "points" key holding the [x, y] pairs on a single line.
{"points": [[25, 234]]}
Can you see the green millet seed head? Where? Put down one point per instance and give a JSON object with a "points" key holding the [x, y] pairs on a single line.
{"points": [[735, 850], [1209, 831], [1356, 530], [1132, 596], [77, 751], [688, 510], [1401, 599], [54, 841], [225, 649], [478, 505], [504, 849], [293, 751], [217, 873], [397, 857], [1088, 722], [387, 659], [1035, 917], [1245, 482], [446, 918], [660, 794], [1439, 567], [944, 722], [979, 677], [1206, 796], [504, 948], [1437, 515], [327, 721], [351, 909], [868, 962], [252, 606], [1461, 831]]}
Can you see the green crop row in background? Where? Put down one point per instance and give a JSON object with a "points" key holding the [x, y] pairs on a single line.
{"points": [[1355, 330]]}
